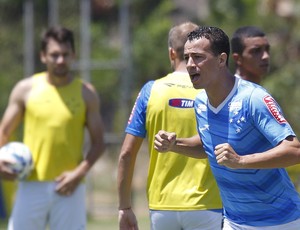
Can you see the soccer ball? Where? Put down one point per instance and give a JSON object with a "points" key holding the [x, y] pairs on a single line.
{"points": [[19, 157]]}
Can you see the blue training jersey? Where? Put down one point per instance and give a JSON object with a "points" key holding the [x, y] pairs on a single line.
{"points": [[251, 121]]}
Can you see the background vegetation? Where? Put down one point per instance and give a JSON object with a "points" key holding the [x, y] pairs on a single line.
{"points": [[149, 25]]}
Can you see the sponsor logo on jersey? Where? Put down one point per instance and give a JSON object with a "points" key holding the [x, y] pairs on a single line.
{"points": [[204, 128], [274, 110], [181, 103], [201, 108], [179, 86], [133, 109], [235, 105]]}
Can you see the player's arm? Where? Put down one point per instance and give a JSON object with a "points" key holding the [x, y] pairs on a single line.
{"points": [[95, 128], [12, 117], [285, 154], [191, 147], [127, 158], [14, 111], [69, 180]]}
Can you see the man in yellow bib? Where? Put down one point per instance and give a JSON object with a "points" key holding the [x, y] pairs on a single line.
{"points": [[55, 107], [182, 192]]}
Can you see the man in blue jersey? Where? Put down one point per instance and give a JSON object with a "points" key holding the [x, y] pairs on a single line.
{"points": [[244, 135], [182, 193], [251, 54]]}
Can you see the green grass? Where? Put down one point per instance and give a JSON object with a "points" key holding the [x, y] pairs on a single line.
{"points": [[112, 224], [102, 224]]}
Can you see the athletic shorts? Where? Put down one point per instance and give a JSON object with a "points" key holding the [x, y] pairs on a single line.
{"points": [[185, 220], [294, 225], [37, 205]]}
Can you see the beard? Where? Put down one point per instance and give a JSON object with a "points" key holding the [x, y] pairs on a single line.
{"points": [[60, 71]]}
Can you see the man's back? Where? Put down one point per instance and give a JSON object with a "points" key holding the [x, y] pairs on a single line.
{"points": [[169, 104]]}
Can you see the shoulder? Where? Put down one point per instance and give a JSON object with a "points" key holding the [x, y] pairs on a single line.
{"points": [[22, 88], [251, 90], [201, 95], [146, 89], [250, 86], [24, 84], [148, 85], [89, 93]]}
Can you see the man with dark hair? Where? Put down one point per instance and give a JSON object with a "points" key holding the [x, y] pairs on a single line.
{"points": [[182, 192], [55, 107], [251, 53], [244, 135]]}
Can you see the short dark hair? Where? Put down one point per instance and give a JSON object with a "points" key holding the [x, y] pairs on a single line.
{"points": [[178, 36], [218, 39], [59, 34], [237, 40]]}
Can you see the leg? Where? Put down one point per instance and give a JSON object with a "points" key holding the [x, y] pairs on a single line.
{"points": [[162, 220], [69, 212], [30, 208], [201, 220]]}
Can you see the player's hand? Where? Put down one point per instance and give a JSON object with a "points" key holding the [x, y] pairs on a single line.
{"points": [[164, 141], [226, 156], [67, 182], [6, 173], [127, 220]]}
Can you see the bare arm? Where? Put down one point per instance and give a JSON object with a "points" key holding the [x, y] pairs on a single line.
{"points": [[127, 158], [12, 117], [285, 154], [68, 181], [95, 127], [191, 147]]}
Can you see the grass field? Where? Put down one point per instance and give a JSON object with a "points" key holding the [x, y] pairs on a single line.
{"points": [[103, 224]]}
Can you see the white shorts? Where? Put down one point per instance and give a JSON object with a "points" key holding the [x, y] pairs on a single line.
{"points": [[38, 205], [294, 225], [185, 220]]}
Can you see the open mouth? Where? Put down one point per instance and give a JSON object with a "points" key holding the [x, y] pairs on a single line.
{"points": [[266, 65], [194, 77]]}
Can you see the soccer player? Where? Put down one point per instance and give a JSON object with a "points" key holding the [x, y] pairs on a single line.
{"points": [[182, 193], [56, 107], [251, 53], [244, 135]]}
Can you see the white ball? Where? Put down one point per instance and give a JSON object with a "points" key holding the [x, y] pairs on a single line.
{"points": [[19, 157]]}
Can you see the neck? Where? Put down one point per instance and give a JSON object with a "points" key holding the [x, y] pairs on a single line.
{"points": [[218, 92], [180, 67], [59, 81]]}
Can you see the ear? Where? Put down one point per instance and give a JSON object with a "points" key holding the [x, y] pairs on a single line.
{"points": [[42, 57], [222, 59], [172, 54], [236, 58]]}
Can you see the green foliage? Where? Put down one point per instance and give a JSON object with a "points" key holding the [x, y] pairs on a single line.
{"points": [[150, 48], [150, 22]]}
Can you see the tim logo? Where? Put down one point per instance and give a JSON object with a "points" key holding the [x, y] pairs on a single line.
{"points": [[181, 103], [273, 108]]}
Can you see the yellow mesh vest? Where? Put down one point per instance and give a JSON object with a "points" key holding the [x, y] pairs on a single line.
{"points": [[177, 182], [54, 127]]}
